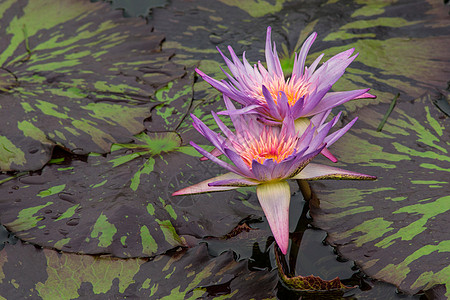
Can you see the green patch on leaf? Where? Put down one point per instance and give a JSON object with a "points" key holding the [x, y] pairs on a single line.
{"points": [[104, 231], [149, 246], [68, 213], [52, 191], [26, 218]]}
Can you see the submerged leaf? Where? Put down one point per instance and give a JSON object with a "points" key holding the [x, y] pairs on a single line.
{"points": [[309, 284]]}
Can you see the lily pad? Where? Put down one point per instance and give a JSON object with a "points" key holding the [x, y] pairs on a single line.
{"points": [[396, 228], [29, 272], [82, 80], [120, 203]]}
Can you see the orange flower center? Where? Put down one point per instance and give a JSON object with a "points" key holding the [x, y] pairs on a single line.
{"points": [[269, 145], [293, 88]]}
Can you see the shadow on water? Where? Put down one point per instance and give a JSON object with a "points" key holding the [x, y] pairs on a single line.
{"points": [[6, 237]]}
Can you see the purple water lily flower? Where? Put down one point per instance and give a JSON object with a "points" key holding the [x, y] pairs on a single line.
{"points": [[304, 94], [266, 156]]}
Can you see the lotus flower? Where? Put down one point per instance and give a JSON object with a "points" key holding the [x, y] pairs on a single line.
{"points": [[266, 156], [305, 93]]}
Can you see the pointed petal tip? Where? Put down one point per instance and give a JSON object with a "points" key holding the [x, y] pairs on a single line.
{"points": [[283, 249], [199, 72], [178, 193], [325, 152], [366, 95], [274, 198]]}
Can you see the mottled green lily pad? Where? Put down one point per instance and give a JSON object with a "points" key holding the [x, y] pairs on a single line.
{"points": [[397, 227], [120, 203], [47, 274], [74, 74]]}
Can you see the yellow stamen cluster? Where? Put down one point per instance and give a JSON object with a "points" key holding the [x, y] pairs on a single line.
{"points": [[294, 88], [269, 145]]}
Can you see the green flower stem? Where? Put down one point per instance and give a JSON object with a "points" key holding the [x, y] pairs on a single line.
{"points": [[305, 189]]}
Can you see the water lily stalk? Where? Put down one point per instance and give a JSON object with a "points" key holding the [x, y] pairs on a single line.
{"points": [[266, 157], [305, 189]]}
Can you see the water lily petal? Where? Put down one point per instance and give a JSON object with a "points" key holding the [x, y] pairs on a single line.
{"points": [[333, 69], [216, 139], [297, 108], [230, 65], [314, 98], [239, 163], [299, 63], [215, 152], [366, 95], [283, 104], [271, 63], [273, 109], [238, 181], [329, 140], [263, 172], [325, 152], [287, 166], [274, 198], [229, 134], [225, 88], [316, 171], [241, 111], [309, 71], [333, 99], [305, 160], [320, 118], [204, 187], [215, 159]]}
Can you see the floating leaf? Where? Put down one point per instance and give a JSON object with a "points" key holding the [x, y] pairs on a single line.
{"points": [[82, 80], [26, 271], [121, 203], [397, 227]]}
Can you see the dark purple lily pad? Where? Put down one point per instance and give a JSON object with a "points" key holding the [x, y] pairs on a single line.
{"points": [[82, 80], [48, 274], [121, 203], [396, 228]]}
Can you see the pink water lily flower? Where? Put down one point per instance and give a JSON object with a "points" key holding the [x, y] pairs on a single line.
{"points": [[266, 156], [304, 94]]}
